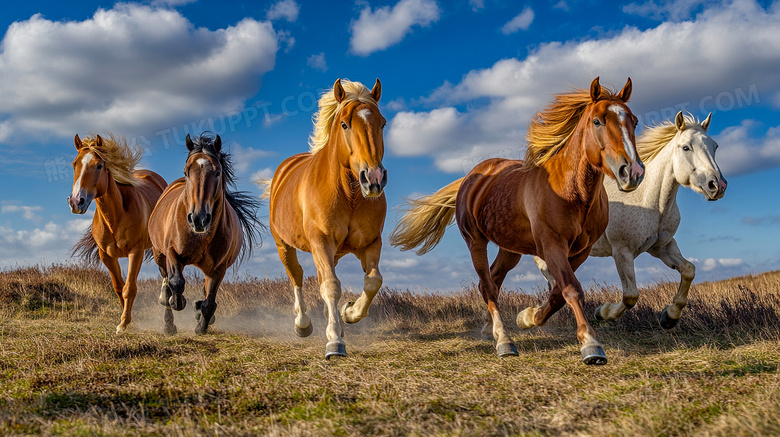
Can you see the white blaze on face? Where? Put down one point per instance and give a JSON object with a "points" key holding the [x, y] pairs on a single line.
{"points": [[627, 144], [84, 162], [364, 113], [202, 162]]}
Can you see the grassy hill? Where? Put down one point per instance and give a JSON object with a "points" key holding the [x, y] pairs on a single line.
{"points": [[417, 364]]}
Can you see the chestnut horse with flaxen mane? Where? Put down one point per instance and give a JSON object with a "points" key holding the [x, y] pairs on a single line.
{"points": [[330, 202], [104, 170], [201, 220], [552, 205]]}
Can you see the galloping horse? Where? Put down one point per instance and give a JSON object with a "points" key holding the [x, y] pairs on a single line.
{"points": [[330, 202], [104, 170], [552, 205], [199, 220], [679, 153]]}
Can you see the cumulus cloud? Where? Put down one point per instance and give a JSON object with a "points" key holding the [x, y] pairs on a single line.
{"points": [[477, 4], [28, 212], [317, 62], [740, 152], [767, 220], [49, 243], [488, 110], [244, 157], [522, 21], [129, 69], [287, 9], [379, 29]]}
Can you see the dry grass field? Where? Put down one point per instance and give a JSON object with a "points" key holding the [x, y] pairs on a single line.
{"points": [[416, 365]]}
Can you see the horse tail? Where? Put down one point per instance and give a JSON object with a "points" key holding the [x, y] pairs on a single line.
{"points": [[426, 219], [265, 186], [86, 249], [246, 207]]}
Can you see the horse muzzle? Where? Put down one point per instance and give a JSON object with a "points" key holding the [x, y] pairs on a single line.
{"points": [[200, 222], [715, 188], [629, 175], [373, 181], [79, 204]]}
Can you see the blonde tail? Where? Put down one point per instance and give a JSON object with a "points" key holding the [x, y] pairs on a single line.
{"points": [[426, 219], [265, 185]]}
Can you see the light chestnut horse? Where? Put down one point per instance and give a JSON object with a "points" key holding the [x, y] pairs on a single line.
{"points": [[552, 205], [104, 170], [330, 202], [676, 154], [201, 220]]}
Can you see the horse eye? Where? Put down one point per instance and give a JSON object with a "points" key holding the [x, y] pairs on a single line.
{"points": [[686, 148], [597, 122], [344, 125], [100, 167]]}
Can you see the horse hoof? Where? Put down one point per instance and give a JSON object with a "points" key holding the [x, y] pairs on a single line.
{"points": [[304, 332], [525, 319], [198, 315], [344, 316], [506, 350], [171, 330], [598, 313], [666, 321], [593, 355], [165, 295], [177, 302], [335, 349]]}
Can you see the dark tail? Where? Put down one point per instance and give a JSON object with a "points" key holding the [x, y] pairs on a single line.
{"points": [[246, 207], [86, 249]]}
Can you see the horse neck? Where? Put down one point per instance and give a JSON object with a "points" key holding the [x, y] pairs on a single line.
{"points": [[333, 162], [570, 173], [110, 203], [660, 186]]}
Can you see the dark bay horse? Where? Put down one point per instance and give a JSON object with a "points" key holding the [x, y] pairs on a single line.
{"points": [[552, 205], [104, 170], [200, 220], [330, 202]]}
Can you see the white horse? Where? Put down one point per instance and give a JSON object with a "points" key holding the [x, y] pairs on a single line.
{"points": [[645, 220]]}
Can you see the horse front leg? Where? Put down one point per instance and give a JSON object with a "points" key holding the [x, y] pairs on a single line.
{"points": [[176, 282], [353, 312], [112, 264], [672, 257], [205, 309], [624, 261], [324, 255], [130, 289], [504, 262]]}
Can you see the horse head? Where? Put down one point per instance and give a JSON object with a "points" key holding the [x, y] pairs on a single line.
{"points": [[203, 174], [90, 175], [611, 126], [359, 127], [693, 158]]}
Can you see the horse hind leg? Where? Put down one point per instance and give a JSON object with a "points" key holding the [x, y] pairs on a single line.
{"points": [[115, 271], [353, 312], [624, 261], [130, 290], [289, 257]]}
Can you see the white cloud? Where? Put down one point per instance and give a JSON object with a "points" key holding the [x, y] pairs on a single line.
{"points": [[244, 157], [711, 264], [377, 30], [263, 173], [522, 21], [677, 62], [28, 212], [740, 152], [287, 9], [477, 4], [171, 3], [668, 9], [129, 69], [317, 62]]}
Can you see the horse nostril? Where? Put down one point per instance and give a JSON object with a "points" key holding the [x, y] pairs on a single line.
{"points": [[189, 218], [207, 219], [363, 178], [81, 201], [712, 185], [623, 172]]}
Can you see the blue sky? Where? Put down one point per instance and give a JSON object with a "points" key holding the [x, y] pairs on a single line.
{"points": [[460, 81]]}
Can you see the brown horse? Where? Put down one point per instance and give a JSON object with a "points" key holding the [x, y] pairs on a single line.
{"points": [[199, 220], [330, 202], [552, 205], [104, 170]]}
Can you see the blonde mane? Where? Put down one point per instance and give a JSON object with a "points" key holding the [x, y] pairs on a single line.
{"points": [[323, 119], [120, 159], [654, 138], [551, 128]]}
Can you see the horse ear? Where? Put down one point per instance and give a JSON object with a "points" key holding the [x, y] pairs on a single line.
{"points": [[77, 142], [625, 93], [338, 91], [595, 90], [376, 92], [188, 143], [98, 141], [706, 123], [218, 144], [679, 121]]}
